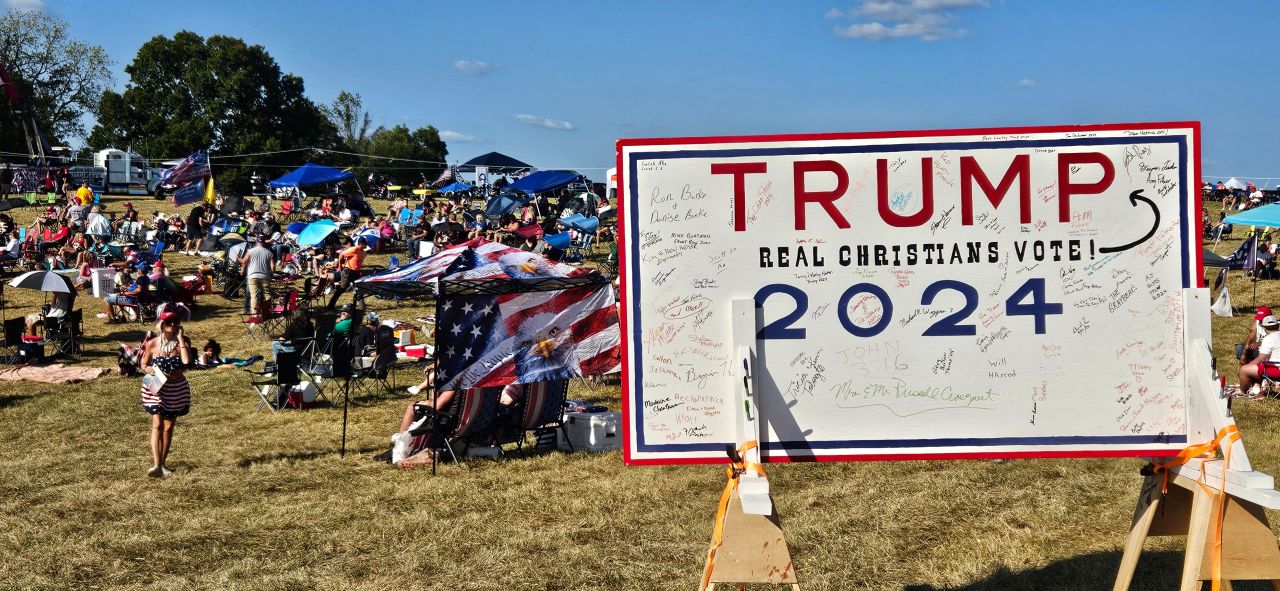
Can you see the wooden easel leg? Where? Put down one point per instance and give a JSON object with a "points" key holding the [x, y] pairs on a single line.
{"points": [[1197, 534], [1144, 514]]}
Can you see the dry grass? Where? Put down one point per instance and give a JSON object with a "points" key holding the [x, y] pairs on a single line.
{"points": [[263, 501]]}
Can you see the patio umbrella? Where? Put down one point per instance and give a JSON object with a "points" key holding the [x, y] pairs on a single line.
{"points": [[42, 281], [316, 233], [296, 228]]}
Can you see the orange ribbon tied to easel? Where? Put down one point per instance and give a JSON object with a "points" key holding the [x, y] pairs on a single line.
{"points": [[1223, 441], [736, 467]]}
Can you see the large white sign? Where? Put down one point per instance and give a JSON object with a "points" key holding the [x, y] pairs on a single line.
{"points": [[967, 293]]}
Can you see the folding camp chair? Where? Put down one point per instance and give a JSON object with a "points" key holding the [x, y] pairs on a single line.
{"points": [[372, 376], [544, 413], [144, 306], [469, 419], [284, 375], [65, 333], [14, 328], [277, 311]]}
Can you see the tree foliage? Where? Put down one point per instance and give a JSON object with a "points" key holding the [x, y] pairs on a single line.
{"points": [[348, 115], [63, 78], [400, 150], [190, 93]]}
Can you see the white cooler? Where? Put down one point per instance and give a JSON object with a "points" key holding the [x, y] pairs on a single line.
{"points": [[104, 283], [591, 431]]}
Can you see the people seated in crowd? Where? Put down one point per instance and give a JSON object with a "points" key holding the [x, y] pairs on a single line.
{"points": [[1251, 374], [10, 248], [136, 291]]}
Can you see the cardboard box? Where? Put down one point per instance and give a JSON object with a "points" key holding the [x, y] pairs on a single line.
{"points": [[591, 431]]}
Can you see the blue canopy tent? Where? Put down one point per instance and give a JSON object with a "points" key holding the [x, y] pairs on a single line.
{"points": [[311, 174], [456, 187], [1266, 216], [545, 180]]}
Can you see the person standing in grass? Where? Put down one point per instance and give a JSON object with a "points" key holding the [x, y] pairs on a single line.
{"points": [[167, 355]]}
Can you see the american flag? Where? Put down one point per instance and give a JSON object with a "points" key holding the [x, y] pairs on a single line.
{"points": [[193, 167], [524, 338], [1246, 256], [445, 177]]}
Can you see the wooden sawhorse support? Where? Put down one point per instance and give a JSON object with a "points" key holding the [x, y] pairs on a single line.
{"points": [[1249, 550], [753, 551]]}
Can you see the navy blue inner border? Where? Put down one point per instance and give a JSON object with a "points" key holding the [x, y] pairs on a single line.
{"points": [[638, 350]]}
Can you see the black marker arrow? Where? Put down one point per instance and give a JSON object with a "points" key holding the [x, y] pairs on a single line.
{"points": [[1134, 197]]}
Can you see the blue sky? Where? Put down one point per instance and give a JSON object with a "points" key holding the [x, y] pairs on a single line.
{"points": [[556, 83]]}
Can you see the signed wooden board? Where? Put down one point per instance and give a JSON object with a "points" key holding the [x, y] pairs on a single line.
{"points": [[934, 294]]}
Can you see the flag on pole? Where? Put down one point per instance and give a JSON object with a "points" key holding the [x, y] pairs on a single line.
{"points": [[1246, 255], [444, 179], [209, 196], [193, 167], [190, 193]]}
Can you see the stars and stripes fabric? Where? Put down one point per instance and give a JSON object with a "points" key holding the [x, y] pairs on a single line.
{"points": [[1246, 255], [446, 176], [527, 338], [476, 259], [520, 338], [192, 168]]}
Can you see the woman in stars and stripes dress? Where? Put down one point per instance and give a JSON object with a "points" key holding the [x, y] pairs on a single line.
{"points": [[169, 352]]}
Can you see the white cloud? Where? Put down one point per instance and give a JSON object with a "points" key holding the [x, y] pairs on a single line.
{"points": [[458, 137], [475, 67], [880, 20], [31, 5], [544, 122], [1027, 83]]}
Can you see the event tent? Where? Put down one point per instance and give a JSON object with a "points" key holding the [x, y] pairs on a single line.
{"points": [[1235, 183], [1267, 216], [545, 180], [311, 174], [1213, 260], [495, 162], [455, 187]]}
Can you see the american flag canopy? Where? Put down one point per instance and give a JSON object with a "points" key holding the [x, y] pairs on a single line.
{"points": [[494, 339]]}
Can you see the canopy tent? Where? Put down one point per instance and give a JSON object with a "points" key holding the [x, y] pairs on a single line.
{"points": [[1267, 216], [421, 276], [503, 204], [311, 174], [1213, 260], [456, 187], [545, 180], [1235, 183], [495, 162]]}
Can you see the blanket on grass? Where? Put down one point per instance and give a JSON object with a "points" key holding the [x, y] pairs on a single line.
{"points": [[56, 373]]}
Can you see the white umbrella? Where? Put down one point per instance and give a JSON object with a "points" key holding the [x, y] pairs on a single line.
{"points": [[42, 281], [1235, 183]]}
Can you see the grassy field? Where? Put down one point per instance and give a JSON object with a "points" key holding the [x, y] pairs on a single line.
{"points": [[263, 501]]}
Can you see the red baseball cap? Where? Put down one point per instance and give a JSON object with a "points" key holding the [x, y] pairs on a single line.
{"points": [[1263, 312]]}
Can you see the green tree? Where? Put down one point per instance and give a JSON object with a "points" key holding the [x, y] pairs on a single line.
{"points": [[348, 115], [404, 155], [62, 78], [190, 93]]}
